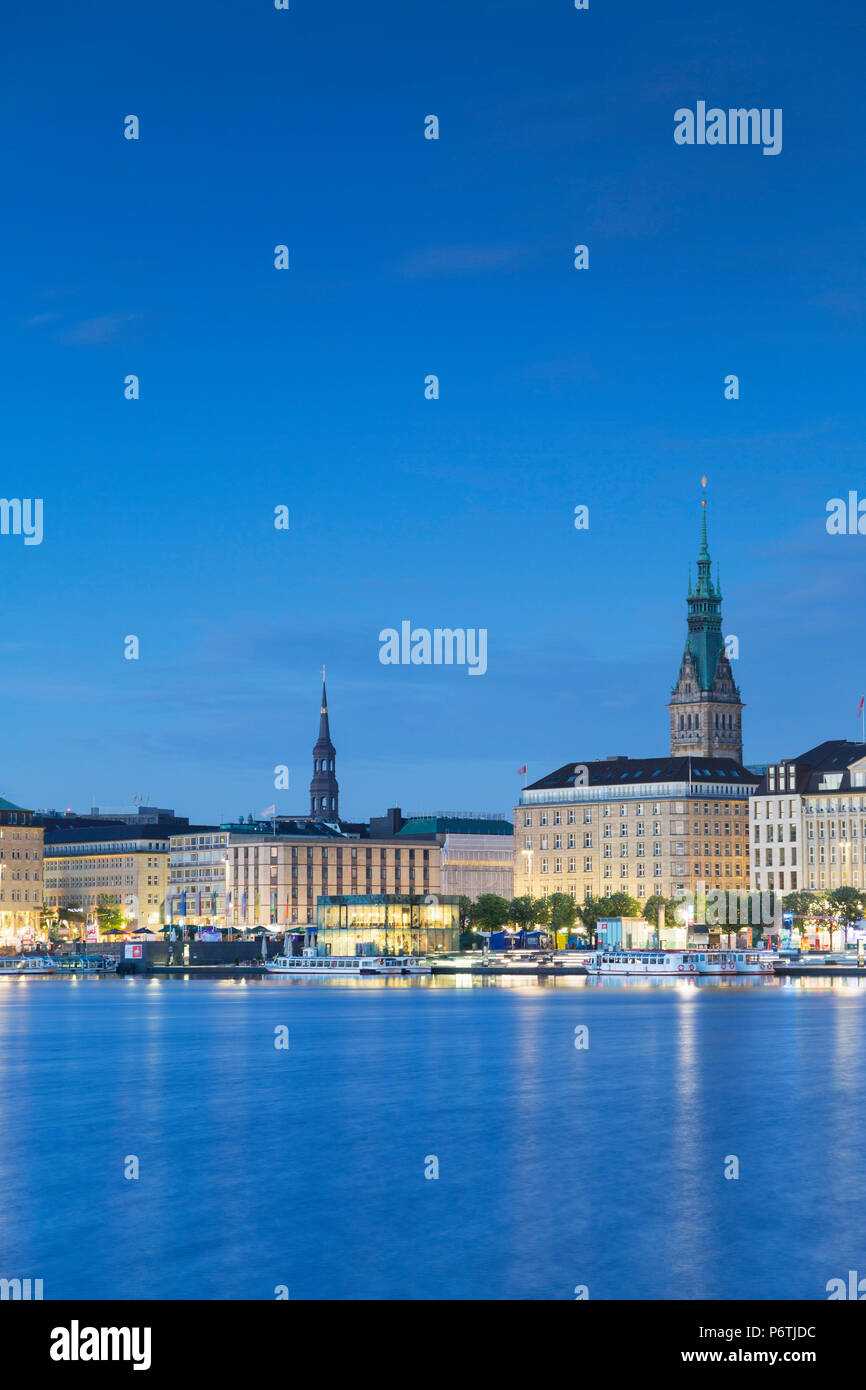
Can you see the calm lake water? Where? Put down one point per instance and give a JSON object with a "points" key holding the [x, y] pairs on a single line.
{"points": [[558, 1167]]}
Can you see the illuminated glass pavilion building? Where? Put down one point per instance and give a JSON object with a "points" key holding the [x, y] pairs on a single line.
{"points": [[380, 924]]}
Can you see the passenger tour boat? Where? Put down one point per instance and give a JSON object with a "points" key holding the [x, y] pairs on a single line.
{"points": [[735, 962], [86, 965], [308, 963], [715, 962], [681, 963], [752, 962], [17, 966]]}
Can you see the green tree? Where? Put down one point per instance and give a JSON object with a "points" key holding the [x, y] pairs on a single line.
{"points": [[465, 912], [563, 914], [522, 911], [617, 905], [847, 907], [651, 910], [109, 916], [847, 904], [590, 911], [620, 905], [541, 912], [69, 919], [806, 907], [491, 912]]}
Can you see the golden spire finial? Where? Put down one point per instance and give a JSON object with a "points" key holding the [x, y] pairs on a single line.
{"points": [[703, 484]]}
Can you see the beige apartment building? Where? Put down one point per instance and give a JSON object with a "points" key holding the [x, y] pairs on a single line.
{"points": [[638, 826], [276, 879], [21, 884], [113, 865]]}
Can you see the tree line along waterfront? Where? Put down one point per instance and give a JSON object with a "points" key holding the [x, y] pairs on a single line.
{"points": [[806, 914]]}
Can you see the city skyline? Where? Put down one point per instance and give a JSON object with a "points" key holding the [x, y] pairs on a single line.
{"points": [[285, 801]]}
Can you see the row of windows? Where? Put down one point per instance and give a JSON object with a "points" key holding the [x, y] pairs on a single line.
{"points": [[771, 831], [818, 879], [693, 722], [253, 852], [638, 791], [585, 814], [829, 828], [275, 875], [206, 874], [822, 859], [766, 810], [845, 857], [625, 846], [730, 871], [774, 773], [183, 842], [108, 881], [215, 858], [778, 881]]}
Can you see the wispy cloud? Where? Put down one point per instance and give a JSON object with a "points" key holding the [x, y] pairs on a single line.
{"points": [[442, 261], [96, 330], [848, 303]]}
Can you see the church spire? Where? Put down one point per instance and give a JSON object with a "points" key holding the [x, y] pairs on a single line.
{"points": [[324, 788], [324, 726], [705, 703]]}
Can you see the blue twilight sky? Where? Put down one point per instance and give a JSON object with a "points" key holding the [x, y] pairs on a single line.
{"points": [[306, 387]]}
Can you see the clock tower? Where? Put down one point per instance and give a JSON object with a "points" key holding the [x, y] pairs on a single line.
{"points": [[705, 708]]}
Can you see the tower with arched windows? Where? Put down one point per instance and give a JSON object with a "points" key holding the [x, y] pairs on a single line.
{"points": [[705, 708], [324, 788]]}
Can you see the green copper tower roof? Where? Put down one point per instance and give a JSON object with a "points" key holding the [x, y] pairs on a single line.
{"points": [[705, 640]]}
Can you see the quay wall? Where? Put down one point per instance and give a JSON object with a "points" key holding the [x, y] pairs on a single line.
{"points": [[158, 954]]}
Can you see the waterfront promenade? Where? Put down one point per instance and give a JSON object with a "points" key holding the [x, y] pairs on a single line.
{"points": [[570, 965]]}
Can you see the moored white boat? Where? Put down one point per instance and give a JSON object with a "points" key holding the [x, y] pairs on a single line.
{"points": [[415, 965], [310, 964], [715, 962], [16, 966], [667, 963], [86, 965], [753, 962]]}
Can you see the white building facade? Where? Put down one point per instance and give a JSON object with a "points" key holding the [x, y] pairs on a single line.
{"points": [[808, 821], [198, 877]]}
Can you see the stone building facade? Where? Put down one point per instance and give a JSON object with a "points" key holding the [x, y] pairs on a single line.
{"points": [[21, 874]]}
